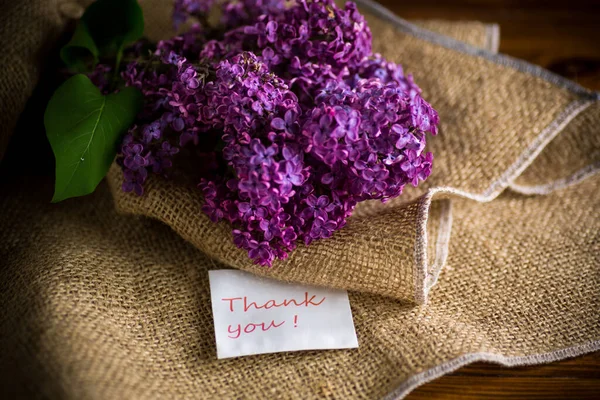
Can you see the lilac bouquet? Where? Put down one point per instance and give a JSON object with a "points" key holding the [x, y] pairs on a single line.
{"points": [[289, 116]]}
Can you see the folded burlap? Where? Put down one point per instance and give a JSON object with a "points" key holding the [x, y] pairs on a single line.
{"points": [[496, 115], [96, 304]]}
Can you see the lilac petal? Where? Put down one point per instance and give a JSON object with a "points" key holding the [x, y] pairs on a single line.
{"points": [[311, 200], [178, 124], [341, 117], [290, 117], [278, 123], [264, 225], [322, 201], [244, 207], [327, 179]]}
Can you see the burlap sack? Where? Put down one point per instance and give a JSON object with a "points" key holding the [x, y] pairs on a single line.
{"points": [[95, 304]]}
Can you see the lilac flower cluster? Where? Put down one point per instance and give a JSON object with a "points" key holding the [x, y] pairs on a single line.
{"points": [[291, 118]]}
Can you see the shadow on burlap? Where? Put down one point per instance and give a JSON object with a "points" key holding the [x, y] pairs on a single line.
{"points": [[96, 304]]}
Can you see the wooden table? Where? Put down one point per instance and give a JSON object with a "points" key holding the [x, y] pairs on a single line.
{"points": [[577, 379], [563, 36]]}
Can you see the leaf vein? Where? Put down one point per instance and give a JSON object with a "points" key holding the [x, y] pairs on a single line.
{"points": [[101, 109]]}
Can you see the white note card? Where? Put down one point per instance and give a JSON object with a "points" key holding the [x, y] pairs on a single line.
{"points": [[255, 315]]}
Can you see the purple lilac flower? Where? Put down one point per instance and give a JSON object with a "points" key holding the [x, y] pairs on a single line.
{"points": [[321, 229], [288, 116]]}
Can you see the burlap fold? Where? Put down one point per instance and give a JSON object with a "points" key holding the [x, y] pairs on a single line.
{"points": [[95, 304], [496, 116]]}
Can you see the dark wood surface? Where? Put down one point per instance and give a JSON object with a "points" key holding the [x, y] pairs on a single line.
{"points": [[576, 378], [563, 36]]}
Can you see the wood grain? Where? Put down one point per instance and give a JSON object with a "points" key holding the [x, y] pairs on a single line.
{"points": [[563, 36], [577, 378]]}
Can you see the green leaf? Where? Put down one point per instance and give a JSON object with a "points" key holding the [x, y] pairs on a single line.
{"points": [[105, 28], [84, 128], [114, 24], [81, 51]]}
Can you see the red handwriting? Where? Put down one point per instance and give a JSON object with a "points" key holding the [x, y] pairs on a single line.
{"points": [[249, 328], [273, 304]]}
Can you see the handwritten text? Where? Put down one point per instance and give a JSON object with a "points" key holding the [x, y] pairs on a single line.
{"points": [[306, 302]]}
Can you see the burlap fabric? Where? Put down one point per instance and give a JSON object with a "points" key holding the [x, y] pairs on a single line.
{"points": [[497, 116], [96, 304], [23, 50]]}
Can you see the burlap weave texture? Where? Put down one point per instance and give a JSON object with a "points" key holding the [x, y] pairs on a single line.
{"points": [[96, 304], [495, 120]]}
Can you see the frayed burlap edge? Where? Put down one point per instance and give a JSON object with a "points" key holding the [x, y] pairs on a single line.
{"points": [[487, 53], [426, 276], [559, 184], [507, 180]]}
